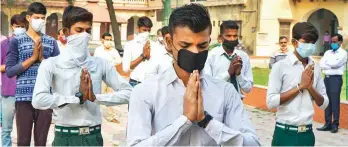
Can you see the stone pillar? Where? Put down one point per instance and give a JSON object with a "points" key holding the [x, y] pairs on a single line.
{"points": [[96, 31]]}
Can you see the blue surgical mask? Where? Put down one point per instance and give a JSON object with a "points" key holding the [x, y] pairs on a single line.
{"points": [[305, 49], [335, 46]]}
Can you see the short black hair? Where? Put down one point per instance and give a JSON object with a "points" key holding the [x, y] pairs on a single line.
{"points": [[144, 22], [106, 34], [159, 31], [339, 36], [18, 19], [229, 24], [283, 37], [195, 16], [24, 13], [305, 31], [36, 8], [74, 14], [165, 30]]}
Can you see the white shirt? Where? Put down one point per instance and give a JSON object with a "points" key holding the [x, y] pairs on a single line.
{"points": [[217, 66], [61, 46], [332, 63], [156, 115], [285, 75], [159, 65], [133, 50], [110, 55], [65, 84]]}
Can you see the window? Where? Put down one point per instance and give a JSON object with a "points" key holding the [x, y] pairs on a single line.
{"points": [[284, 29], [159, 15]]}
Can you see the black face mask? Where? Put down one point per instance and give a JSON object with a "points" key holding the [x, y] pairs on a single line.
{"points": [[189, 61], [230, 45]]}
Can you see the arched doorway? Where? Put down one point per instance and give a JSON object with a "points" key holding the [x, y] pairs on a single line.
{"points": [[324, 20], [52, 25], [4, 24], [131, 27]]}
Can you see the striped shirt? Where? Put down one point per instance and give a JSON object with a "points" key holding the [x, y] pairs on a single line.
{"points": [[20, 49]]}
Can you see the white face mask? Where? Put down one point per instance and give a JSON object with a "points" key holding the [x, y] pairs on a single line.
{"points": [[77, 45], [160, 38], [108, 44], [142, 37], [37, 24], [18, 31]]}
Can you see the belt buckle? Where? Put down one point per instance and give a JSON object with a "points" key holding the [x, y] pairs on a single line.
{"points": [[301, 129], [84, 131]]}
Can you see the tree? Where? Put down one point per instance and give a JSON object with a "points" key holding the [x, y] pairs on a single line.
{"points": [[114, 25]]}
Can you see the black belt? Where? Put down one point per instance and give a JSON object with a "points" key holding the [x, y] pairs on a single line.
{"points": [[134, 81]]}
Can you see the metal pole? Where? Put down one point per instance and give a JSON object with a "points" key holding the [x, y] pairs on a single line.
{"points": [[167, 10]]}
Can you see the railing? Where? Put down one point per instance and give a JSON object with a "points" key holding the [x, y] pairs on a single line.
{"points": [[130, 1]]}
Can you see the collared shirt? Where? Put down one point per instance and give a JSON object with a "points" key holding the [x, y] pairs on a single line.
{"points": [[61, 46], [333, 62], [8, 87], [133, 50], [110, 55], [285, 75], [279, 55], [156, 115], [159, 65], [217, 66], [20, 49], [65, 84]]}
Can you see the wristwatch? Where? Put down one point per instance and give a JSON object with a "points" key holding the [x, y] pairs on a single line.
{"points": [[142, 56], [80, 96], [204, 123]]}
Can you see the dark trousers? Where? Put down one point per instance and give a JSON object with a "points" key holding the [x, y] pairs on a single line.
{"points": [[68, 139], [283, 137], [26, 115], [333, 86]]}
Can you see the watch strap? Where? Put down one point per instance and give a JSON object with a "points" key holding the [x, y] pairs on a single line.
{"points": [[80, 96], [204, 123]]}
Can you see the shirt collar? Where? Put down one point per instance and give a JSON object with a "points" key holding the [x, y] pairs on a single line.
{"points": [[294, 59], [171, 77], [221, 51]]}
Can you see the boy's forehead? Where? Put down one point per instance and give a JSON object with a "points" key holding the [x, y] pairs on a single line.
{"points": [[37, 15], [186, 34]]}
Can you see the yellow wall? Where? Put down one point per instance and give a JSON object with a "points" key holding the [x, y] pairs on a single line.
{"points": [[272, 10]]}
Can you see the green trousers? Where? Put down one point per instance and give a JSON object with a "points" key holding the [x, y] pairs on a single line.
{"points": [[66, 139], [282, 137]]}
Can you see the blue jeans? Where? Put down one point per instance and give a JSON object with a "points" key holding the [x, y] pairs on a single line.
{"points": [[8, 111]]}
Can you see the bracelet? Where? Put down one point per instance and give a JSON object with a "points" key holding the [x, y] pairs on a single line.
{"points": [[298, 88]]}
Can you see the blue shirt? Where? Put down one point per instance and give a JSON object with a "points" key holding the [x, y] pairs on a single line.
{"points": [[20, 49]]}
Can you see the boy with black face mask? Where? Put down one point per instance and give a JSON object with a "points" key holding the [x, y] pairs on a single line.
{"points": [[180, 107], [229, 64]]}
